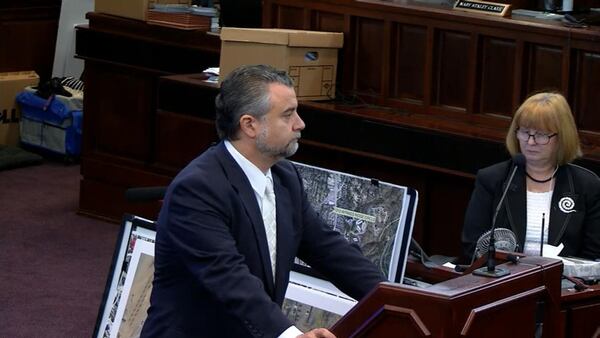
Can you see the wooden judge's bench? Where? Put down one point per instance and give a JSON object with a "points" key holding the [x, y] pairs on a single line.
{"points": [[528, 302], [425, 95]]}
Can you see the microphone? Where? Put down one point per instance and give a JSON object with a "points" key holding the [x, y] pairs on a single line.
{"points": [[145, 194], [490, 270], [542, 239], [513, 258]]}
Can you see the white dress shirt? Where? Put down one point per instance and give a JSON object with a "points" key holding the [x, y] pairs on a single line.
{"points": [[538, 207], [258, 181]]}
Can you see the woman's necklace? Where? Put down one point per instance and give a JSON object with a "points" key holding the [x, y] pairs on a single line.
{"points": [[542, 181]]}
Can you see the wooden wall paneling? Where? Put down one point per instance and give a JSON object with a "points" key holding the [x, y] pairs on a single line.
{"points": [[385, 63], [184, 127], [333, 22], [267, 14], [152, 48], [92, 191], [307, 20], [347, 64], [143, 54], [327, 21], [102, 197], [451, 70], [544, 70], [518, 83], [408, 62], [271, 15], [542, 59], [321, 128], [446, 203], [430, 67], [119, 126], [574, 81], [120, 175], [28, 45], [587, 99], [566, 70], [370, 42], [187, 95], [28, 35], [497, 76], [427, 148], [472, 74], [581, 326], [290, 17], [198, 133], [584, 108]]}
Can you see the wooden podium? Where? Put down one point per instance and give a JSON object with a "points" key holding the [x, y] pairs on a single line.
{"points": [[465, 306]]}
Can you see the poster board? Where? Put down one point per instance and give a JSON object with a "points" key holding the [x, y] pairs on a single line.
{"points": [[377, 216], [129, 284]]}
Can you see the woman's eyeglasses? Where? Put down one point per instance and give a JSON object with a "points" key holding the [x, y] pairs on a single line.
{"points": [[538, 138]]}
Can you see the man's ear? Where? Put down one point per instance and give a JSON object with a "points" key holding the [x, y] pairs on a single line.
{"points": [[248, 125]]}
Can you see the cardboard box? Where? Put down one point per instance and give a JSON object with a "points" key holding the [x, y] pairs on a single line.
{"points": [[310, 57], [133, 9], [11, 84]]}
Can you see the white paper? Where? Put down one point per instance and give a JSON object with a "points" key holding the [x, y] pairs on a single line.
{"points": [[449, 265], [212, 70], [552, 251], [141, 247]]}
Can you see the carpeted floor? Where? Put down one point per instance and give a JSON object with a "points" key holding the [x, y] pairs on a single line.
{"points": [[53, 262]]}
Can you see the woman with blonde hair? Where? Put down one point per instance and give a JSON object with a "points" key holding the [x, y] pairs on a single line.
{"points": [[550, 200]]}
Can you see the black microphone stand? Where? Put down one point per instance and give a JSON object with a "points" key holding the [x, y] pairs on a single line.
{"points": [[490, 270], [542, 239]]}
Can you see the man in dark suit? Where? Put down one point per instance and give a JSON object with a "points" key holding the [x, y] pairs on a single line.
{"points": [[222, 263]]}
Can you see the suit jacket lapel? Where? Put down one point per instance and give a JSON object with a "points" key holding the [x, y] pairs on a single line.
{"points": [[240, 182], [285, 238], [516, 207], [562, 207]]}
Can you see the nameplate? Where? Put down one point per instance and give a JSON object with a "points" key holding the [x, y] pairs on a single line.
{"points": [[483, 7]]}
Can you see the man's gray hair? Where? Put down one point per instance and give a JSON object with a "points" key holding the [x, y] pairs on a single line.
{"points": [[245, 91]]}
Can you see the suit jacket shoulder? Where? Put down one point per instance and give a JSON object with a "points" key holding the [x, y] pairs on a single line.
{"points": [[494, 176], [582, 175]]}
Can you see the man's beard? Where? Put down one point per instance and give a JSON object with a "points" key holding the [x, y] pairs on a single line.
{"points": [[276, 152]]}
